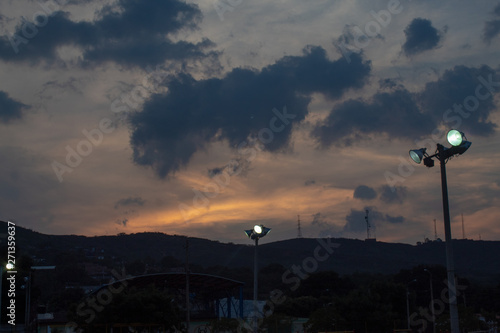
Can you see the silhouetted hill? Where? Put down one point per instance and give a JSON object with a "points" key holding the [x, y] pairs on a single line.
{"points": [[477, 260]]}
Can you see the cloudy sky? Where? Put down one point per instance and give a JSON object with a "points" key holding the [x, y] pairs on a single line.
{"points": [[202, 118]]}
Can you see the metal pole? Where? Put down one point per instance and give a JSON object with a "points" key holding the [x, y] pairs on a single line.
{"points": [[27, 314], [255, 286], [187, 286], [26, 305], [432, 303], [1, 278], [449, 246], [407, 308]]}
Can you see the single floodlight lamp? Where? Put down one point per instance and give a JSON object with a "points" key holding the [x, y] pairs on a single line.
{"points": [[257, 229], [249, 233], [417, 155], [455, 137], [9, 266]]}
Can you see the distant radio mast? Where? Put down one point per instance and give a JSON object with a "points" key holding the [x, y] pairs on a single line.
{"points": [[299, 231], [435, 231], [367, 225], [368, 228], [463, 228]]}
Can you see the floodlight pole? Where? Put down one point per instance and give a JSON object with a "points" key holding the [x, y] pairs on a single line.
{"points": [[449, 246], [257, 232], [407, 307], [255, 285], [432, 302]]}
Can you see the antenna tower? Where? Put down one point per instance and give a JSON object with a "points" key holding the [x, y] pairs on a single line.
{"points": [[299, 231], [435, 231], [367, 225], [463, 228]]}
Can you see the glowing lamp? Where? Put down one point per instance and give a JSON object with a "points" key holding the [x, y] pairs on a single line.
{"points": [[455, 138], [258, 231]]}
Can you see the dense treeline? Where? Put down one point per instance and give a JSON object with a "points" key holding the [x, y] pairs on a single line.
{"points": [[362, 302]]}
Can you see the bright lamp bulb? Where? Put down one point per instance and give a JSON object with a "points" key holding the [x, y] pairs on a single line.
{"points": [[455, 138], [257, 229], [9, 266]]}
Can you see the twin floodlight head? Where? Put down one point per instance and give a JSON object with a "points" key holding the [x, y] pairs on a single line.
{"points": [[258, 231], [458, 142]]}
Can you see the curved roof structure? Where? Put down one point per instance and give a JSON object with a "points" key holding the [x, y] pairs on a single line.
{"points": [[197, 282]]}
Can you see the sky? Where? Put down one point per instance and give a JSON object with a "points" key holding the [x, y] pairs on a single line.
{"points": [[203, 118]]}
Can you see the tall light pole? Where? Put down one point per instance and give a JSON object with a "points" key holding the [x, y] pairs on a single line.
{"points": [[408, 304], [432, 302], [257, 232], [459, 145], [27, 306], [9, 266]]}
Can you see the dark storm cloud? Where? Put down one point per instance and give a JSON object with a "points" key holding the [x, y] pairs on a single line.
{"points": [[131, 33], [130, 201], [492, 28], [453, 89], [402, 114], [245, 103], [364, 192], [393, 194], [395, 113], [420, 36], [10, 109]]}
